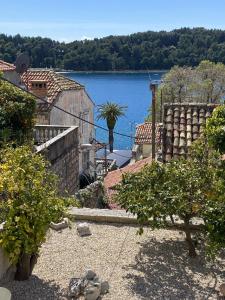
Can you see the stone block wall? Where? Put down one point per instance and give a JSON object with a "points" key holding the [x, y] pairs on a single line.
{"points": [[62, 152]]}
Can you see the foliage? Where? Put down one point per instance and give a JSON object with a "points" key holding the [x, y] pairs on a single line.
{"points": [[203, 84], [186, 188], [110, 112], [140, 51], [215, 129], [17, 110], [28, 203]]}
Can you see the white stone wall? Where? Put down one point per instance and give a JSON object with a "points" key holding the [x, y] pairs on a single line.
{"points": [[147, 150], [12, 76], [78, 103]]}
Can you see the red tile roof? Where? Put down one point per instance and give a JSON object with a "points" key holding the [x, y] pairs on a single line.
{"points": [[4, 66], [114, 177], [183, 123], [56, 83], [144, 133]]}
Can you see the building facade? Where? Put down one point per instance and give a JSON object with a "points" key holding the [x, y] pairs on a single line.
{"points": [[143, 140], [9, 72], [57, 90]]}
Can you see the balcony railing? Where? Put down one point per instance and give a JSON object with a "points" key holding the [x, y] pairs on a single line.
{"points": [[44, 133]]}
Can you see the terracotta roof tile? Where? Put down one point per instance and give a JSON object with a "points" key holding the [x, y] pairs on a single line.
{"points": [[56, 83], [183, 124], [144, 133], [4, 66], [114, 177]]}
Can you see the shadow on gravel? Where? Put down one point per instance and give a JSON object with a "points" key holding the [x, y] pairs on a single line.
{"points": [[163, 270], [34, 289]]}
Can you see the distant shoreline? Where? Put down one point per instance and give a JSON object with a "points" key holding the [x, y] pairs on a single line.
{"points": [[113, 72]]}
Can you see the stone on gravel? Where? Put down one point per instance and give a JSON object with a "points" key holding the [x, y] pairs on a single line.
{"points": [[92, 292], [60, 225], [90, 275], [104, 287], [75, 287], [5, 294], [222, 289], [83, 229]]}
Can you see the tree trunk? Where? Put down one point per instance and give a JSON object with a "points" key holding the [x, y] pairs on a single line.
{"points": [[191, 246], [111, 140], [25, 266]]}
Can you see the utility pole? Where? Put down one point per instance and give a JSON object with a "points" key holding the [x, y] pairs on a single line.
{"points": [[153, 87], [105, 158]]}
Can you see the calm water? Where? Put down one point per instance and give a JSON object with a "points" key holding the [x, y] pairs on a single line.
{"points": [[127, 89]]}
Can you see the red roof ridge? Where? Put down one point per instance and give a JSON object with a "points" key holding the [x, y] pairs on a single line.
{"points": [[114, 177], [56, 82], [5, 66]]}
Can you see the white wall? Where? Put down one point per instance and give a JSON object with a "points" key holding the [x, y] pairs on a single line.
{"points": [[146, 150], [12, 76], [77, 102]]}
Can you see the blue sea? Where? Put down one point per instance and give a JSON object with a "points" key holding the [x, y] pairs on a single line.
{"points": [[127, 89]]}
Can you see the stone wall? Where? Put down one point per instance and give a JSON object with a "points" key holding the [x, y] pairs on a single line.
{"points": [[77, 102], [93, 196], [62, 152]]}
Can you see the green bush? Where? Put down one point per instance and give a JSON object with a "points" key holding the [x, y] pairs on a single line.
{"points": [[28, 203], [215, 129], [17, 109]]}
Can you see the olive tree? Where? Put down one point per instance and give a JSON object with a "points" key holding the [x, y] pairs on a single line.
{"points": [[28, 203], [202, 84]]}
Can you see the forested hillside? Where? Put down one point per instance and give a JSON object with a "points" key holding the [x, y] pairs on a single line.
{"points": [[140, 51]]}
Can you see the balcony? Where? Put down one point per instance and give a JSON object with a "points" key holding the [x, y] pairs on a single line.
{"points": [[44, 133]]}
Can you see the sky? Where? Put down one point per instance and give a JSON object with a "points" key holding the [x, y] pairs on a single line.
{"points": [[68, 20]]}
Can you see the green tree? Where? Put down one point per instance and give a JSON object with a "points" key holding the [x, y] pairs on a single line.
{"points": [[110, 112], [152, 50], [17, 109], [215, 129], [202, 84], [184, 188], [28, 203]]}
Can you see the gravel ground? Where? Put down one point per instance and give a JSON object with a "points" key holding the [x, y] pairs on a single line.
{"points": [[152, 266]]}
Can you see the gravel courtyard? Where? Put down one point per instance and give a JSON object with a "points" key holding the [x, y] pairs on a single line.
{"points": [[152, 266]]}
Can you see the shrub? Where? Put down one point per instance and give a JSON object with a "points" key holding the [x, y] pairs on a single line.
{"points": [[17, 109], [28, 203], [215, 129]]}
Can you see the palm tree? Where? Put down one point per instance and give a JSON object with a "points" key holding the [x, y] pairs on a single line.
{"points": [[110, 112]]}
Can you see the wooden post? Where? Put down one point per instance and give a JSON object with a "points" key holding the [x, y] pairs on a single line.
{"points": [[105, 158]]}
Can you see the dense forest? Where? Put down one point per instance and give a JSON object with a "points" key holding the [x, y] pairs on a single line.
{"points": [[140, 51]]}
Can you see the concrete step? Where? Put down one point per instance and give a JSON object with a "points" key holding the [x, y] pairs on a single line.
{"points": [[122, 217], [102, 215]]}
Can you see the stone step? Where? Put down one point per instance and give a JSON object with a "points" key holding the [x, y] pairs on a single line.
{"points": [[122, 217], [102, 215]]}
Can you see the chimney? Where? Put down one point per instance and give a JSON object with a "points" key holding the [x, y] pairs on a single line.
{"points": [[38, 88]]}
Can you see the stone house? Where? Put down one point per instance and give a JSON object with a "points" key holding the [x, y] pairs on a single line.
{"points": [[183, 123], [143, 140], [9, 72], [70, 96]]}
